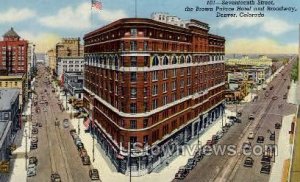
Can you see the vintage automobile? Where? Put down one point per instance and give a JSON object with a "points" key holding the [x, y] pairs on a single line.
{"points": [[248, 162], [94, 174]]}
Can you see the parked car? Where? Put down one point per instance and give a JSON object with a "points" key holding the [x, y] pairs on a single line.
{"points": [[285, 96], [215, 139], [277, 125], [190, 165], [34, 124], [251, 135], [33, 146], [179, 176], [94, 174], [238, 120], [40, 124], [272, 136], [260, 139], [266, 168], [66, 123], [220, 134], [231, 117], [239, 114], [34, 139], [229, 124], [265, 159], [55, 177], [34, 131], [80, 146], [248, 162], [82, 152], [86, 160], [33, 160], [247, 145], [183, 171], [31, 170], [251, 117], [274, 98]]}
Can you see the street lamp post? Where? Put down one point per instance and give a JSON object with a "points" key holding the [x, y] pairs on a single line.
{"points": [[25, 135]]}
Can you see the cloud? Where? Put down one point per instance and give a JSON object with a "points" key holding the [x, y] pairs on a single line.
{"points": [[79, 17], [111, 15], [68, 17], [270, 25], [43, 41], [259, 46], [16, 15]]}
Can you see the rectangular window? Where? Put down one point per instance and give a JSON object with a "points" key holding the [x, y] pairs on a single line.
{"points": [[133, 139], [154, 89], [145, 46], [133, 92], [132, 124], [133, 108], [174, 97], [133, 32], [165, 87], [181, 83], [145, 76], [165, 100], [182, 71], [133, 62], [189, 70], [146, 61], [154, 103], [173, 85], [154, 76], [133, 45], [165, 74], [145, 106], [145, 92], [133, 76], [174, 73], [188, 81], [145, 124], [145, 139]]}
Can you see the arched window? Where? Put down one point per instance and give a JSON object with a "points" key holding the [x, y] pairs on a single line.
{"points": [[165, 61], [155, 61], [174, 60], [188, 59], [181, 60]]}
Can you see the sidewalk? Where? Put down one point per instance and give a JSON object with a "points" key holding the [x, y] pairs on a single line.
{"points": [[18, 169], [107, 170], [284, 149]]}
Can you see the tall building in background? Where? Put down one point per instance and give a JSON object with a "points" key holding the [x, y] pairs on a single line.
{"points": [[153, 83], [13, 57]]}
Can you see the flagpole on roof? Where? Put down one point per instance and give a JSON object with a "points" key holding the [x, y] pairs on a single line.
{"points": [[135, 9]]}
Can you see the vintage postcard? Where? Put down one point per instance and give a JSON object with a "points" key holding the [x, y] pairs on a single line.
{"points": [[149, 90]]}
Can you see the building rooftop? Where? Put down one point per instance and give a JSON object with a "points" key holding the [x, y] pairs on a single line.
{"points": [[11, 33], [7, 97]]}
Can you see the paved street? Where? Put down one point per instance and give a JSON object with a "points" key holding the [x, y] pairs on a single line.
{"points": [[267, 112], [56, 150]]}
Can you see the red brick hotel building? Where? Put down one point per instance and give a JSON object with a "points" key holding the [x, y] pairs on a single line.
{"points": [[152, 83]]}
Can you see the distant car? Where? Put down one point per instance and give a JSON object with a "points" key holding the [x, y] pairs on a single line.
{"points": [[248, 162], [265, 159], [260, 139], [272, 137], [274, 98], [66, 123], [179, 176], [94, 174], [251, 117], [239, 114], [33, 160], [277, 125], [285, 96], [266, 168], [288, 87], [220, 134], [231, 117], [247, 145], [33, 146], [80, 146], [34, 124], [31, 170], [40, 124], [55, 177], [34, 131], [238, 120], [34, 139], [86, 160], [271, 88], [251, 135]]}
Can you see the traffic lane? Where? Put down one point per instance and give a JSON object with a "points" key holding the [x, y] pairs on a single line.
{"points": [[210, 166], [78, 171]]}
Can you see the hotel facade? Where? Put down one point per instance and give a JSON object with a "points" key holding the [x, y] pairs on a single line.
{"points": [[151, 83]]}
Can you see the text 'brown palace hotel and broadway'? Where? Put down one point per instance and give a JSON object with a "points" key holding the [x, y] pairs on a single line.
{"points": [[154, 83]]}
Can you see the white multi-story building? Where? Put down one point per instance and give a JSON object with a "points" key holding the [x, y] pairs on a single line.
{"points": [[170, 19], [69, 64]]}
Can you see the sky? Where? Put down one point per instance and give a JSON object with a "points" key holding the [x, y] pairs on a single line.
{"points": [[44, 22]]}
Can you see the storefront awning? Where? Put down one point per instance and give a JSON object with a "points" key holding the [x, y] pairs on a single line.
{"points": [[87, 123]]}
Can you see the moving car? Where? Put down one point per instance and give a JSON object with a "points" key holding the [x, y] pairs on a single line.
{"points": [[251, 117], [251, 135], [86, 160], [247, 145], [248, 162], [55, 177], [31, 170], [34, 139], [66, 123], [266, 168], [94, 174], [33, 160], [265, 159], [33, 146], [272, 137], [34, 131], [277, 125], [260, 139]]}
